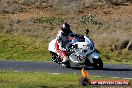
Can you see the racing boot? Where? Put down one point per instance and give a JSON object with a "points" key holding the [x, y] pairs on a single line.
{"points": [[65, 62], [65, 58]]}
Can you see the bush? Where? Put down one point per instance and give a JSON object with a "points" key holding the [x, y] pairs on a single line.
{"points": [[117, 2], [89, 19], [49, 20]]}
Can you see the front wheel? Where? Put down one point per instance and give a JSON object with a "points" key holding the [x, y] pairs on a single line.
{"points": [[97, 63]]}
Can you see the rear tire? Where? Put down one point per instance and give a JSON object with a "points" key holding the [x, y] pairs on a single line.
{"points": [[98, 63]]}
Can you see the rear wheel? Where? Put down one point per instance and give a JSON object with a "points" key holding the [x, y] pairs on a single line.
{"points": [[98, 63]]}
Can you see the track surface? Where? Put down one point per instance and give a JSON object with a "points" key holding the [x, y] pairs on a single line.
{"points": [[113, 70]]}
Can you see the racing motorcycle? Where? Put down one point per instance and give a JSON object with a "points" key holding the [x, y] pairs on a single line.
{"points": [[81, 51]]}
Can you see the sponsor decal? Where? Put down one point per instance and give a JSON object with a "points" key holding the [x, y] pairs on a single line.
{"points": [[110, 82], [85, 81]]}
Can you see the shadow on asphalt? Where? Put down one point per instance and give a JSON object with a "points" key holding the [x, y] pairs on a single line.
{"points": [[115, 69], [104, 69], [76, 68]]}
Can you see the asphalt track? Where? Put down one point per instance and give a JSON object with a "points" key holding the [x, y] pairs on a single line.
{"points": [[112, 70]]}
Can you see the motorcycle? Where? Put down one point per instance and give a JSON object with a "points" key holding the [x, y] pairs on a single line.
{"points": [[81, 51]]}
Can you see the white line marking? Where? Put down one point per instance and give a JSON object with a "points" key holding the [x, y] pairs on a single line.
{"points": [[55, 73], [97, 76], [127, 78], [115, 77], [121, 78], [16, 71]]}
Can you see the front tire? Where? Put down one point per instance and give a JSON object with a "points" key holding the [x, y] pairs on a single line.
{"points": [[98, 63]]}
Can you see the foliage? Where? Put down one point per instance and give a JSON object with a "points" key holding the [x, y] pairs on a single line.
{"points": [[49, 20], [89, 19]]}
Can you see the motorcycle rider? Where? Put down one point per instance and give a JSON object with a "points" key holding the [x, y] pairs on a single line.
{"points": [[61, 40]]}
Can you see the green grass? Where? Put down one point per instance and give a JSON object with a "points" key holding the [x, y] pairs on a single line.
{"points": [[37, 80], [49, 20], [41, 80], [27, 48], [17, 47], [116, 57]]}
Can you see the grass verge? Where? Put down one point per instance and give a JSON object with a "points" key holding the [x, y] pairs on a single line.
{"points": [[23, 47], [17, 47], [116, 57], [41, 80]]}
